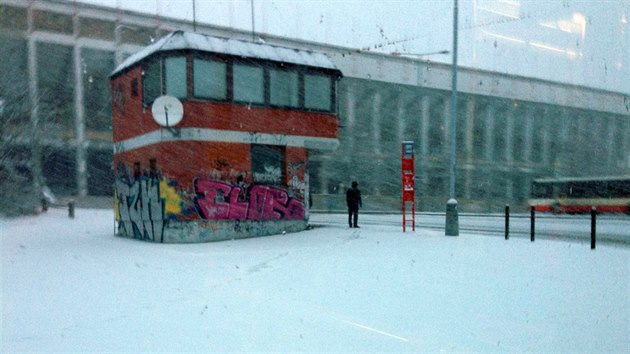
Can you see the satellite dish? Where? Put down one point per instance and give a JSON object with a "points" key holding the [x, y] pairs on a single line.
{"points": [[167, 111]]}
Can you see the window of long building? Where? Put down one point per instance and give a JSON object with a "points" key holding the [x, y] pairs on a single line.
{"points": [[97, 65], [248, 84], [13, 18], [317, 92], [52, 22], [55, 87], [209, 79]]}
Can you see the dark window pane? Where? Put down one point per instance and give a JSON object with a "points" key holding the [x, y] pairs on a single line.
{"points": [[137, 35], [317, 92], [52, 22], [248, 84], [175, 82], [267, 164], [283, 87], [14, 97], [97, 65], [95, 28], [100, 175], [209, 79], [56, 88], [59, 170], [152, 81], [13, 18]]}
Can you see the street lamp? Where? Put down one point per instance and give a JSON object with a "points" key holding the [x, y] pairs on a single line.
{"points": [[452, 220]]}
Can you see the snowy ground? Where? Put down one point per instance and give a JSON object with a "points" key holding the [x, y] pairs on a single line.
{"points": [[69, 285]]}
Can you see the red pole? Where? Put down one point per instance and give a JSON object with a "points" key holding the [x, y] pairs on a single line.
{"points": [[404, 218]]}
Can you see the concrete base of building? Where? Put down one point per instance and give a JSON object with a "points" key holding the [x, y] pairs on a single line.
{"points": [[198, 231]]}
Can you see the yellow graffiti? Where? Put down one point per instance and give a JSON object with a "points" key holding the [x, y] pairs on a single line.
{"points": [[173, 202]]}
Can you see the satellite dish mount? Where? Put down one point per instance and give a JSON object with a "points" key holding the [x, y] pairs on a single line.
{"points": [[167, 111]]}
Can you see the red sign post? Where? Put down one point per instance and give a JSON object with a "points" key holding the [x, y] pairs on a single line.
{"points": [[408, 184]]}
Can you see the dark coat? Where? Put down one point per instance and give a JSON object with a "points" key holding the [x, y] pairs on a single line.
{"points": [[353, 198]]}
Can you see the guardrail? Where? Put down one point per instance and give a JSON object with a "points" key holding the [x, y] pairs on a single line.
{"points": [[600, 227], [533, 225]]}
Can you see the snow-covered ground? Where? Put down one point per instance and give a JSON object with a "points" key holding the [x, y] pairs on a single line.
{"points": [[69, 285]]}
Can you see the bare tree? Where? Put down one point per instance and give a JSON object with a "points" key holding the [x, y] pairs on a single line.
{"points": [[19, 184]]}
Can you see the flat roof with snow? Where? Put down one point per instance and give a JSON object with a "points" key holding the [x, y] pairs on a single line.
{"points": [[180, 40]]}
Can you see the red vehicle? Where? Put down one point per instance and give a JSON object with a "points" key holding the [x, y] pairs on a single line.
{"points": [[579, 195], [212, 136]]}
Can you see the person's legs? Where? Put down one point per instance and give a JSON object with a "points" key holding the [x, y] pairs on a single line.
{"points": [[356, 218], [350, 217]]}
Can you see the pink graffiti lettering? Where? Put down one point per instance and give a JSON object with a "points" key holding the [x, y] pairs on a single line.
{"points": [[218, 200]]}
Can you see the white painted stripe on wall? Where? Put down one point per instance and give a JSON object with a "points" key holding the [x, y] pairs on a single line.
{"points": [[225, 136]]}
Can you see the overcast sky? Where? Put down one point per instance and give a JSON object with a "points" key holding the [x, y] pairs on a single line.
{"points": [[577, 42]]}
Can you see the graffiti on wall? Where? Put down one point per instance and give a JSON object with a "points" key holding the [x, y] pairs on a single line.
{"points": [[297, 186], [143, 204], [219, 200], [140, 208]]}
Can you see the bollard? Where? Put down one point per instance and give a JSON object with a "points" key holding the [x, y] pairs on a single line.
{"points": [[452, 219], [593, 227], [71, 209], [507, 222], [533, 224]]}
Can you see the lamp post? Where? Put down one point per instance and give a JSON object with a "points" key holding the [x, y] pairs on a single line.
{"points": [[452, 220]]}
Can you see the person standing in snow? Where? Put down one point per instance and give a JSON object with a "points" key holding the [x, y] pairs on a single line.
{"points": [[353, 199]]}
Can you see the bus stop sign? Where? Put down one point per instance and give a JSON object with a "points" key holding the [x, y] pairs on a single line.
{"points": [[408, 183]]}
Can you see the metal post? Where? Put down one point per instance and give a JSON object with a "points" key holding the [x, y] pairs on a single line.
{"points": [[404, 217], [194, 15], [593, 227], [36, 131], [452, 220], [79, 114], [413, 214], [253, 22], [71, 209], [507, 222], [533, 223]]}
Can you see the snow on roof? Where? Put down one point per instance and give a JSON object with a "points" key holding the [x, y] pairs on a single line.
{"points": [[180, 40]]}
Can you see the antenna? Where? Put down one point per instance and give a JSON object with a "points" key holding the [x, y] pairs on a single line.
{"points": [[194, 16], [253, 24]]}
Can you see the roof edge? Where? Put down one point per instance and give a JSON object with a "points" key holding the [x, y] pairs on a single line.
{"points": [[182, 40]]}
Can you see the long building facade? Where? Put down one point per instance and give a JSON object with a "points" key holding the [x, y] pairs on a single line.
{"points": [[510, 129]]}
